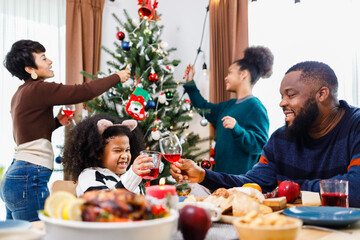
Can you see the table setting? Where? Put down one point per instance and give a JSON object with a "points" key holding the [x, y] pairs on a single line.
{"points": [[318, 223], [188, 211]]}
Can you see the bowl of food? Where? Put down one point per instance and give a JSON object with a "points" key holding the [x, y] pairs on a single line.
{"points": [[108, 215], [255, 226]]}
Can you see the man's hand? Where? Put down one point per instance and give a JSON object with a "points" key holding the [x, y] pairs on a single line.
{"points": [[187, 169], [62, 118], [124, 75], [228, 122]]}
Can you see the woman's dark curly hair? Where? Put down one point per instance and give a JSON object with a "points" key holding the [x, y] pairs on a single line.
{"points": [[21, 56], [258, 61], [84, 145]]}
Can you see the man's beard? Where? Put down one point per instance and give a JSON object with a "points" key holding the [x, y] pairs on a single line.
{"points": [[303, 121]]}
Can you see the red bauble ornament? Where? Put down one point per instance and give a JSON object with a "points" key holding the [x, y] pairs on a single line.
{"points": [[120, 36], [205, 164], [153, 77]]}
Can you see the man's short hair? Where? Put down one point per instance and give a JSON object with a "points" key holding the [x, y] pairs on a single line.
{"points": [[317, 72]]}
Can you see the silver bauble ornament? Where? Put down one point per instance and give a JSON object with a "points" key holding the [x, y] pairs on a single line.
{"points": [[204, 122]]}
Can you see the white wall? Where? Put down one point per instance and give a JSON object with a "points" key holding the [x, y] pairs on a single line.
{"points": [[183, 23], [38, 20], [316, 30]]}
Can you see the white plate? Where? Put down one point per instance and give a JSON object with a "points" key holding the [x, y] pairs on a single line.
{"points": [[14, 224], [157, 229]]}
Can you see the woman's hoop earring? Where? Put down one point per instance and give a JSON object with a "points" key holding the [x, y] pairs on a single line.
{"points": [[34, 75]]}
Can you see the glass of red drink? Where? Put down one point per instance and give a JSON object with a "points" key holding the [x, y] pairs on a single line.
{"points": [[69, 111], [155, 159], [334, 193], [171, 150]]}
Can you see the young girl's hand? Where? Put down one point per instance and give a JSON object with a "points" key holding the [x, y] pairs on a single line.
{"points": [[228, 122], [189, 73], [140, 165]]}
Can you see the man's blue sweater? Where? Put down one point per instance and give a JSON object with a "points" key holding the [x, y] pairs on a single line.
{"points": [[237, 150], [305, 160]]}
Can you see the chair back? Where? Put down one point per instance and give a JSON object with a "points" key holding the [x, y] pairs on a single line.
{"points": [[64, 185]]}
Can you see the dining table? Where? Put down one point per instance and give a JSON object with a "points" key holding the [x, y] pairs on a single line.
{"points": [[226, 231]]}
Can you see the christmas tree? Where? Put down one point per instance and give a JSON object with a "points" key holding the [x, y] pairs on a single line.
{"points": [[152, 96]]}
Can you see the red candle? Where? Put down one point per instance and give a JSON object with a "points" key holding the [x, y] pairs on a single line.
{"points": [[160, 191]]}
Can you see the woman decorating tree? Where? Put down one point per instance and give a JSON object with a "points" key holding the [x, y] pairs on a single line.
{"points": [[24, 188], [241, 123]]}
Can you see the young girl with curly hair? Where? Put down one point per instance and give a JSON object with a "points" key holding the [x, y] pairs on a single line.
{"points": [[241, 123], [103, 153]]}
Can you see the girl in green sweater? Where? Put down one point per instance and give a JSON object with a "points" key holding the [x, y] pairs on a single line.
{"points": [[241, 123]]}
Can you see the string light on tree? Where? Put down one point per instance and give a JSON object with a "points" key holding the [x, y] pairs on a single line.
{"points": [[164, 44], [135, 22], [191, 113]]}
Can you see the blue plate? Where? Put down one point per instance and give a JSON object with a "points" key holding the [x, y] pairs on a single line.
{"points": [[324, 216], [181, 199], [14, 224]]}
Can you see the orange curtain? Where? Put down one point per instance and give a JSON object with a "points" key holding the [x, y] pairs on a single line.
{"points": [[83, 44], [228, 40], [83, 38]]}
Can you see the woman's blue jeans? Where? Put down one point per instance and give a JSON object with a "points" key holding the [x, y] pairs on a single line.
{"points": [[24, 190]]}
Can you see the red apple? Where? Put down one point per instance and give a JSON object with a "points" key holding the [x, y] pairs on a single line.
{"points": [[290, 190], [194, 222]]}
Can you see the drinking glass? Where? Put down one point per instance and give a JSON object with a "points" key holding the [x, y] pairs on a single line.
{"points": [[155, 159], [334, 193], [69, 111], [171, 150]]}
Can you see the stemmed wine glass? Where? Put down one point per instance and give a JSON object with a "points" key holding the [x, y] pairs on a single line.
{"points": [[171, 150], [69, 111]]}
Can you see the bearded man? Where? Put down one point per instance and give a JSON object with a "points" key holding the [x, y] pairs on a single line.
{"points": [[320, 140]]}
